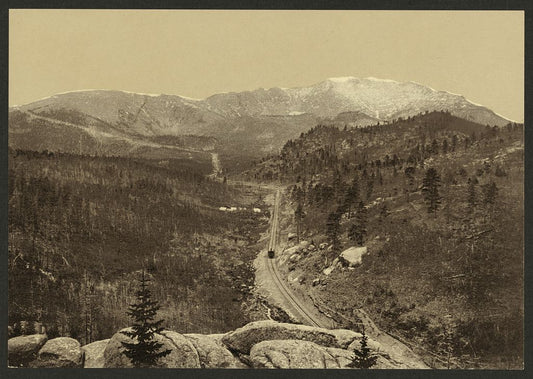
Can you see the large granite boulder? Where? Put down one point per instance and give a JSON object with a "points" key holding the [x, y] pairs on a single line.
{"points": [[297, 354], [242, 339], [213, 353], [61, 352], [182, 355], [22, 350], [353, 256], [94, 354]]}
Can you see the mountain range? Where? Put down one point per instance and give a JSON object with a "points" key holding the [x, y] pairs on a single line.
{"points": [[250, 122]]}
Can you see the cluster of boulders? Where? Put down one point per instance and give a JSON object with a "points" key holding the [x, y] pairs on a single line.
{"points": [[295, 253], [260, 344]]}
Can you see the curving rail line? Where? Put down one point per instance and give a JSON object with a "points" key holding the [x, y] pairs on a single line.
{"points": [[303, 314]]}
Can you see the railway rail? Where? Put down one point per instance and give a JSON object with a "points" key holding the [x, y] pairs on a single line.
{"points": [[301, 312]]}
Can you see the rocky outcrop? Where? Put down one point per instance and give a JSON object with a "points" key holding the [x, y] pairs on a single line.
{"points": [[182, 352], [23, 349], [304, 354], [338, 343], [212, 353], [297, 354], [61, 352], [94, 354], [242, 339], [260, 344]]}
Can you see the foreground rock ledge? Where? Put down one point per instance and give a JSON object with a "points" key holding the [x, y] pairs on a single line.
{"points": [[242, 339], [260, 344]]}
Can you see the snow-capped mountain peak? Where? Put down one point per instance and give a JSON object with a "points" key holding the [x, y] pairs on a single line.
{"points": [[379, 99]]}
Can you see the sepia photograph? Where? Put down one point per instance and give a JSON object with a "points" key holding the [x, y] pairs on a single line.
{"points": [[265, 189]]}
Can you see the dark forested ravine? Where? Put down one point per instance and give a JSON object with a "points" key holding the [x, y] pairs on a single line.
{"points": [[80, 227]]}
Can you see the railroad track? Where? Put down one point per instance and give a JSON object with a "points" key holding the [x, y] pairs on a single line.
{"points": [[304, 315]]}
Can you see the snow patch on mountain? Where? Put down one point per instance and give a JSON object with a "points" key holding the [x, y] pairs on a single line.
{"points": [[342, 79], [371, 78]]}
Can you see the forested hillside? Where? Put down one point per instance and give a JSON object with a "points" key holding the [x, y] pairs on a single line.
{"points": [[438, 202], [70, 131], [81, 226]]}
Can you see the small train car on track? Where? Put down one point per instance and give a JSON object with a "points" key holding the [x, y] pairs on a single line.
{"points": [[271, 253]]}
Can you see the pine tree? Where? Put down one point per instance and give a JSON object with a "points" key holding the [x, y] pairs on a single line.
{"points": [[298, 216], [410, 175], [333, 230], [351, 196], [454, 142], [145, 351], [363, 358], [338, 186], [468, 143], [357, 231], [490, 191], [445, 146], [434, 147], [430, 189], [369, 186]]}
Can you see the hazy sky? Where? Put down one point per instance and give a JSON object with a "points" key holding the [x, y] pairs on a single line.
{"points": [[198, 53]]}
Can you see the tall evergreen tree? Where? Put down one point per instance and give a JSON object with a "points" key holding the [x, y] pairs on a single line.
{"points": [[490, 191], [410, 175], [338, 187], [467, 143], [434, 147], [369, 186], [333, 230], [454, 142], [363, 358], [298, 216], [351, 196], [445, 146], [144, 351], [430, 189], [357, 231]]}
